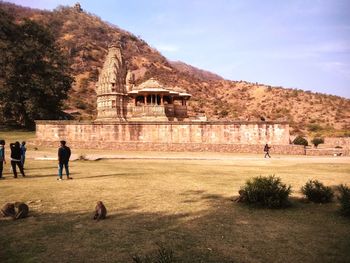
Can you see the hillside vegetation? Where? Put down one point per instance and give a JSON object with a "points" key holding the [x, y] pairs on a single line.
{"points": [[85, 37]]}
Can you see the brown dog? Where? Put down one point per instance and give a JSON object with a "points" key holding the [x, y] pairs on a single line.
{"points": [[100, 211]]}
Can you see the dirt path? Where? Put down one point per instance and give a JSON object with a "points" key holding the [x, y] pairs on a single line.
{"points": [[94, 156]]}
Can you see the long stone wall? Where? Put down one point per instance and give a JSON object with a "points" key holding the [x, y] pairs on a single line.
{"points": [[246, 133], [239, 137]]}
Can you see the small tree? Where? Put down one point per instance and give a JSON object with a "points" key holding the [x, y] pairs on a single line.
{"points": [[299, 140], [317, 141], [35, 75]]}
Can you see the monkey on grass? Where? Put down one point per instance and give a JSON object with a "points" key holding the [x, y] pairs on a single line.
{"points": [[22, 210], [8, 210], [100, 211], [15, 210], [242, 197]]}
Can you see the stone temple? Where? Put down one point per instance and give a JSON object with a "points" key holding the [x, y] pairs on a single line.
{"points": [[152, 116], [119, 99]]}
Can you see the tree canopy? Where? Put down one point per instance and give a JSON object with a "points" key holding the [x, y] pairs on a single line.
{"points": [[34, 76]]}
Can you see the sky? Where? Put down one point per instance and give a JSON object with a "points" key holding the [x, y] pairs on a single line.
{"points": [[303, 44]]}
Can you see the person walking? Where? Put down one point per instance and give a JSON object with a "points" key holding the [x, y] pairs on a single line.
{"points": [[64, 154], [16, 159], [2, 157], [267, 150], [23, 153]]}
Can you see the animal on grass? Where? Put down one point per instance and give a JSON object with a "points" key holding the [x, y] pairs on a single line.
{"points": [[22, 210], [100, 211], [8, 210], [242, 196]]}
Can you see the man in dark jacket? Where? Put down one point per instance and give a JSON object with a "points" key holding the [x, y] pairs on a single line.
{"points": [[267, 150], [63, 160], [16, 158]]}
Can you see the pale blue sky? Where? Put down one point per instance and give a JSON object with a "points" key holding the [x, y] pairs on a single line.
{"points": [[292, 43]]}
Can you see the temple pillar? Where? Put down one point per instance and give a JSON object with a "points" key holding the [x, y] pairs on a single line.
{"points": [[162, 100]]}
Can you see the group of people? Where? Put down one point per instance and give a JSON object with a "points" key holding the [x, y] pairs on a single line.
{"points": [[18, 157]]}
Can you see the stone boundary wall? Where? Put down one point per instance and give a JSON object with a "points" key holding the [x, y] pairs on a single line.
{"points": [[246, 133], [219, 136]]}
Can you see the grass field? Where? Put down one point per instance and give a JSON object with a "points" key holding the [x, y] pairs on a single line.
{"points": [[182, 205]]}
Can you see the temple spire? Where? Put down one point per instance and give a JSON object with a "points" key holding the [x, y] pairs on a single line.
{"points": [[111, 87]]}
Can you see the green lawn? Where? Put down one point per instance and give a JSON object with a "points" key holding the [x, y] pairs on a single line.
{"points": [[183, 205]]}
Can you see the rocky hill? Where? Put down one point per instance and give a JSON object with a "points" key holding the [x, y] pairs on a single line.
{"points": [[85, 38]]}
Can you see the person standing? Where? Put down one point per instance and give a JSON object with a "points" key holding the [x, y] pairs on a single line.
{"points": [[64, 154], [23, 153], [2, 157], [267, 150], [16, 159]]}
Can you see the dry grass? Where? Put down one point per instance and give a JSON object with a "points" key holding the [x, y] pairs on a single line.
{"points": [[16, 135], [184, 205]]}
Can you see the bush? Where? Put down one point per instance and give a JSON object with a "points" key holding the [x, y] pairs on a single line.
{"points": [[313, 127], [299, 140], [265, 192], [317, 192], [338, 147], [344, 199], [80, 104], [316, 141]]}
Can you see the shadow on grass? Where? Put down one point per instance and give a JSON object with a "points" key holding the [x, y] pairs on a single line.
{"points": [[53, 175], [111, 175], [30, 175], [223, 231], [40, 168]]}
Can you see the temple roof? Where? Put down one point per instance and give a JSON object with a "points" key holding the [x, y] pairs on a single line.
{"points": [[154, 86], [152, 83], [149, 90]]}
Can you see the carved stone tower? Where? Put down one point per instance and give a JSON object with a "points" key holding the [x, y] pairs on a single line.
{"points": [[111, 87]]}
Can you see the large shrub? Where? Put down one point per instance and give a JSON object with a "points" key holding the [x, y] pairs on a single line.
{"points": [[299, 140], [267, 192], [317, 192], [344, 199]]}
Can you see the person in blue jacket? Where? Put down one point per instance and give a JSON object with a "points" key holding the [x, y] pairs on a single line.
{"points": [[23, 153]]}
